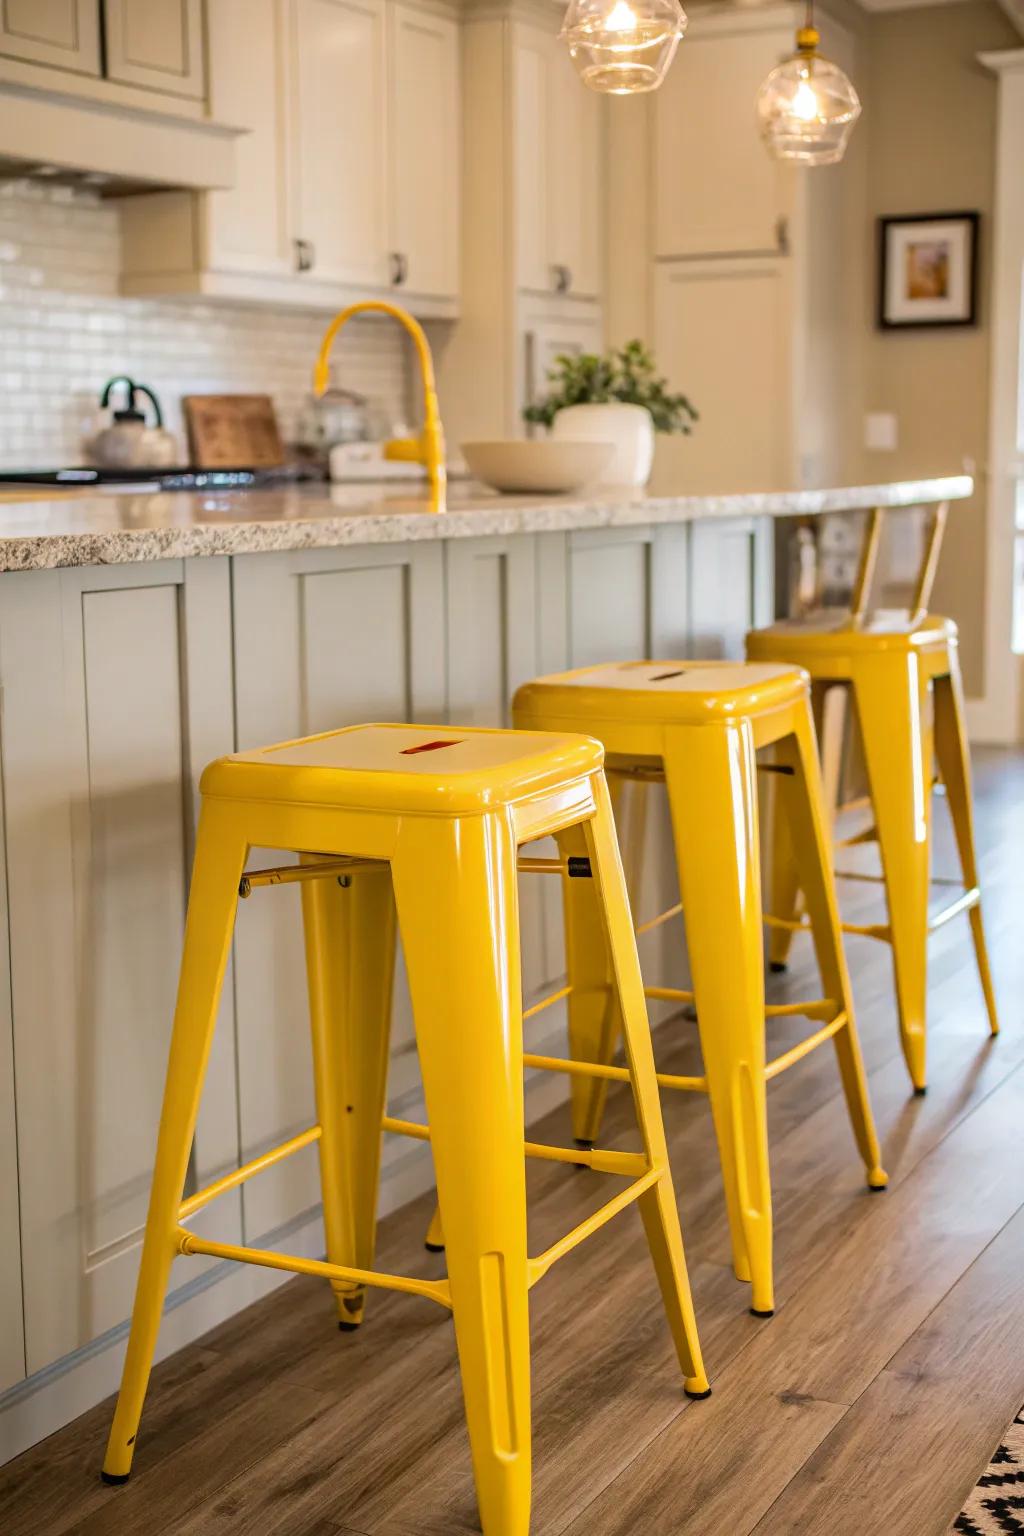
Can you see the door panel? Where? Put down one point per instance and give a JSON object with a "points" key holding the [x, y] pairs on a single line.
{"points": [[322, 639], [65, 33], [724, 339], [339, 137], [158, 44], [102, 729], [425, 150]]}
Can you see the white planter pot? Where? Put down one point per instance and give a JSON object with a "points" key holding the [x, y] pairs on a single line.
{"points": [[628, 427]]}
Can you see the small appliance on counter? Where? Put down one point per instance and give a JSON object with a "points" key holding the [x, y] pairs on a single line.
{"points": [[130, 442]]}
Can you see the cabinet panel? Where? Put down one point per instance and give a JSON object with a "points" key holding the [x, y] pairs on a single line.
{"points": [[425, 149], [61, 32], [557, 169], [157, 44], [610, 596], [730, 584], [247, 227], [99, 720], [322, 639], [729, 195], [12, 1321], [724, 337], [338, 97]]}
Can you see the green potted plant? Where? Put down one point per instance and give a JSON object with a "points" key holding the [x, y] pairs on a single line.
{"points": [[618, 397]]}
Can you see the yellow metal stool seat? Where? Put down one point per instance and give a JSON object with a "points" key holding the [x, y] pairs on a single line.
{"points": [[698, 726], [419, 826], [903, 675]]}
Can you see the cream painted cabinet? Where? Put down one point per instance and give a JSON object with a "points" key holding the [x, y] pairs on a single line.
{"points": [[717, 190], [348, 179], [724, 335], [557, 128], [116, 692], [64, 33], [338, 148], [12, 1315], [549, 329], [731, 584], [424, 152], [322, 639], [156, 43]]}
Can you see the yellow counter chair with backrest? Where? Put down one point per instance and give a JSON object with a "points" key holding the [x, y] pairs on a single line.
{"points": [[901, 670], [698, 726], [424, 824]]}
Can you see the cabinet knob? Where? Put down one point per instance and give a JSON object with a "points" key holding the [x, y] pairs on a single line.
{"points": [[782, 235], [305, 255], [562, 278], [399, 268]]}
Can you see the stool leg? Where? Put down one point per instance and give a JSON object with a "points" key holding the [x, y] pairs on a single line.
{"points": [[455, 887], [213, 897], [350, 961], [955, 767], [807, 815], [893, 710], [595, 1022], [658, 1206], [710, 774]]}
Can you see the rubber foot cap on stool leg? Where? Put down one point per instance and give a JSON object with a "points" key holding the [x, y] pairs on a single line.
{"points": [[919, 1093], [434, 1247], [778, 967], [754, 1312], [698, 1397], [114, 1479], [348, 1327]]}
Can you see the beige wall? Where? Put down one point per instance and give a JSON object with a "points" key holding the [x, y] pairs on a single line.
{"points": [[929, 132]]}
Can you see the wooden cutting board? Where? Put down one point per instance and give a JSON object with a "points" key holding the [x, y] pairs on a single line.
{"points": [[233, 432]]}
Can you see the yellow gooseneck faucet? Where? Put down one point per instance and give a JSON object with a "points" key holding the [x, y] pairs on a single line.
{"points": [[427, 449]]}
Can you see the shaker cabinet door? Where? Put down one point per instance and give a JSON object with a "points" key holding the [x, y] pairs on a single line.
{"points": [[322, 639], [338, 149], [425, 151], [65, 33], [117, 693], [156, 43]]}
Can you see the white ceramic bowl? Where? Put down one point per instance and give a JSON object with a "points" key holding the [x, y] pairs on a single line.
{"points": [[542, 465]]}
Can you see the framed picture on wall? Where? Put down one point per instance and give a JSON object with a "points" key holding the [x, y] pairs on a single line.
{"points": [[928, 270]]}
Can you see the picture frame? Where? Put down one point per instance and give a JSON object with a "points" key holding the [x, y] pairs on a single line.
{"points": [[928, 270]]}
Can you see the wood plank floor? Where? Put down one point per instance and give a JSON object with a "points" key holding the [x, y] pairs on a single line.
{"points": [[866, 1407]]}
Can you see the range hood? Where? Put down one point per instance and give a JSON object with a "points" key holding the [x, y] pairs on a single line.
{"points": [[95, 133]]}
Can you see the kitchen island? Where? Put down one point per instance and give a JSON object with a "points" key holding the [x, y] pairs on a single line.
{"points": [[142, 636]]}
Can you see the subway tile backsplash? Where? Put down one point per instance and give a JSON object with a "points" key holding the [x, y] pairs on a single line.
{"points": [[64, 331]]}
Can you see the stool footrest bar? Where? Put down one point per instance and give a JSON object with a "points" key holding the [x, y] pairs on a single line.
{"points": [[625, 1164], [539, 1266], [662, 917], [435, 1290], [546, 1002], [576, 867], [805, 1047], [963, 903], [238, 1176], [613, 1075]]}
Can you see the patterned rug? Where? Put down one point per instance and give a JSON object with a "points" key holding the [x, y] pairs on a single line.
{"points": [[996, 1507]]}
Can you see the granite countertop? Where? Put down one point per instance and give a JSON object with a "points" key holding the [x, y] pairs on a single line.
{"points": [[110, 529]]}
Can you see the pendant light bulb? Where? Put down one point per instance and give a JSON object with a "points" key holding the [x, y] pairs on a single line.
{"points": [[807, 107], [622, 47]]}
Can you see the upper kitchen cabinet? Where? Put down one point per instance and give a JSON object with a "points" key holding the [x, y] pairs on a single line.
{"points": [[425, 161], [64, 33], [348, 179], [557, 169], [338, 62], [156, 43], [112, 88], [716, 190]]}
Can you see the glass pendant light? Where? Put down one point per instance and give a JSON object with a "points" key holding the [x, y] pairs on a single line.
{"points": [[623, 46], [807, 107]]}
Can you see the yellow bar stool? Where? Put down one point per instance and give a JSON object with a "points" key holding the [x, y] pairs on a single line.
{"points": [[423, 824], [903, 674], [698, 726]]}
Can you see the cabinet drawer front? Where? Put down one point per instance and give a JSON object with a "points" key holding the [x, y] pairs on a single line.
{"points": [[61, 32], [158, 44]]}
